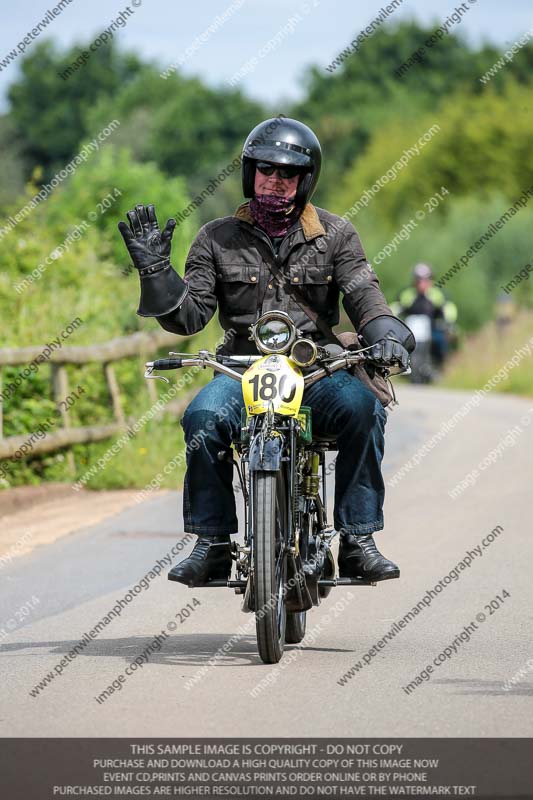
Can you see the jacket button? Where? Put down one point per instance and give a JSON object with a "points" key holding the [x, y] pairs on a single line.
{"points": [[270, 286], [329, 278], [295, 279], [254, 278]]}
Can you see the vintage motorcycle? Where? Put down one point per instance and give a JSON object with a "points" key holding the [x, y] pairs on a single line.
{"points": [[285, 565]]}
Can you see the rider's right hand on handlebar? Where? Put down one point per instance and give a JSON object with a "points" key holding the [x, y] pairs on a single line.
{"points": [[387, 352], [147, 245]]}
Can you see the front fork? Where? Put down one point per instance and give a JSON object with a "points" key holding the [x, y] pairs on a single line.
{"points": [[250, 461]]}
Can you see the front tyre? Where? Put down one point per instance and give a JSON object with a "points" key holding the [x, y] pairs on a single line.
{"points": [[270, 566], [295, 627]]}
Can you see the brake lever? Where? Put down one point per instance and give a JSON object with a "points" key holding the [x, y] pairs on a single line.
{"points": [[149, 377], [386, 367]]}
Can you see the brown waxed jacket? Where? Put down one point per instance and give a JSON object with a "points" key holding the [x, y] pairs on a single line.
{"points": [[228, 265]]}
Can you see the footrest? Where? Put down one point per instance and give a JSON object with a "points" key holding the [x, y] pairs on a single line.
{"points": [[346, 582], [229, 584]]}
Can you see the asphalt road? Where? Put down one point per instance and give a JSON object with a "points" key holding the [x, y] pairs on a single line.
{"points": [[48, 599]]}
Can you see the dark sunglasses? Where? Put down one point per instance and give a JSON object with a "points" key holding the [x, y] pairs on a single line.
{"points": [[284, 171]]}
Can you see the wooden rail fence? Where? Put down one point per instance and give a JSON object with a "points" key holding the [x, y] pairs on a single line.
{"points": [[138, 344]]}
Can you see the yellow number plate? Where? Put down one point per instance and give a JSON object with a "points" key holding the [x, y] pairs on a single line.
{"points": [[275, 379]]}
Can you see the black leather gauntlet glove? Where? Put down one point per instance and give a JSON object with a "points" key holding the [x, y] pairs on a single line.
{"points": [[162, 289], [389, 351], [390, 339]]}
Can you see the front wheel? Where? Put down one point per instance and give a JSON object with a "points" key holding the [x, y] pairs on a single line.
{"points": [[270, 565]]}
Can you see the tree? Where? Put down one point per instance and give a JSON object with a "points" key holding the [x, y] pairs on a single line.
{"points": [[11, 163], [49, 112], [369, 91], [482, 146], [189, 128]]}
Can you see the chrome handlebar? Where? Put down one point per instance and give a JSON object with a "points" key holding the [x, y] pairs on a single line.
{"points": [[205, 359]]}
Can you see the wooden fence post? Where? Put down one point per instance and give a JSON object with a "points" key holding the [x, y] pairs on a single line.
{"points": [[60, 390], [114, 392]]}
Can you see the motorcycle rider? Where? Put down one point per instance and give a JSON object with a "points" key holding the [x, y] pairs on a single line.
{"points": [[426, 299], [228, 264]]}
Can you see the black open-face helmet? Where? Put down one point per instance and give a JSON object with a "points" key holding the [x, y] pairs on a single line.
{"points": [[283, 141]]}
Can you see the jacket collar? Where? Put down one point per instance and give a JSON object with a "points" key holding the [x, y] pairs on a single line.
{"points": [[308, 220]]}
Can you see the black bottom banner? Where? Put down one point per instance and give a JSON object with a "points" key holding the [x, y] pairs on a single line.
{"points": [[38, 769]]}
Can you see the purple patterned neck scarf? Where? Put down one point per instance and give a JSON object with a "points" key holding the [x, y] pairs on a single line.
{"points": [[273, 213]]}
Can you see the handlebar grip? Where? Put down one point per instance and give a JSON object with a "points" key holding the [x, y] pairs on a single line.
{"points": [[167, 363]]}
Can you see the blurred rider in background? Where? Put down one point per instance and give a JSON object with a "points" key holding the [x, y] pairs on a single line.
{"points": [[422, 298]]}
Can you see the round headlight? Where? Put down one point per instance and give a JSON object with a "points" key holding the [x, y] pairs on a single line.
{"points": [[304, 352], [274, 332]]}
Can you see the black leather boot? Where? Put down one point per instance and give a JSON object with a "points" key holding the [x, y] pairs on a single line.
{"points": [[210, 560], [360, 558]]}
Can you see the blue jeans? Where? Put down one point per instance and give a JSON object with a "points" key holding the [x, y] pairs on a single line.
{"points": [[341, 407]]}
